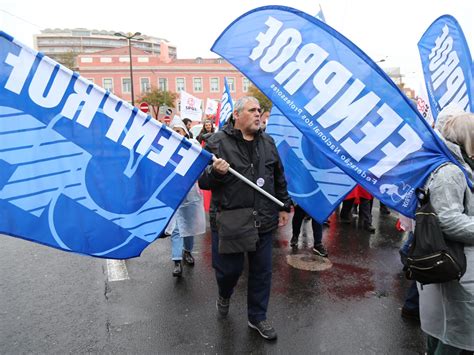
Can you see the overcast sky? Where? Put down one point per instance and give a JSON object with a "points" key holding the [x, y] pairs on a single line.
{"points": [[383, 29]]}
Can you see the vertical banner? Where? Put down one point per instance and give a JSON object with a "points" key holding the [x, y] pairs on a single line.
{"points": [[338, 98], [227, 106], [447, 65], [424, 109], [190, 106], [314, 182], [211, 108], [80, 169]]}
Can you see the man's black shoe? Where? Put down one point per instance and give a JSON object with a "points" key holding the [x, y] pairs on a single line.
{"points": [[222, 305], [188, 258], [411, 314], [264, 328], [178, 269], [294, 242], [320, 250]]}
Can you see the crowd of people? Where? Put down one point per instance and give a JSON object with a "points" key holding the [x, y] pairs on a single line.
{"points": [[243, 221]]}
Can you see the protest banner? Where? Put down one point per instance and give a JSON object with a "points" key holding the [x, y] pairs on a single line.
{"points": [[80, 169], [447, 65], [190, 106], [338, 98], [227, 106]]}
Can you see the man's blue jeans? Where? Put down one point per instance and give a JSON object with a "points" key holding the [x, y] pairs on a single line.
{"points": [[229, 267], [178, 244]]}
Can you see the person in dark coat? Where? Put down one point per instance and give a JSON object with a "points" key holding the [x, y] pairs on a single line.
{"points": [[253, 154], [206, 131]]}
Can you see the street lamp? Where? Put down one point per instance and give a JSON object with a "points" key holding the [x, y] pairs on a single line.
{"points": [[129, 38]]}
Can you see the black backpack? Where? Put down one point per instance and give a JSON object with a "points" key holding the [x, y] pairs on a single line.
{"points": [[432, 258]]}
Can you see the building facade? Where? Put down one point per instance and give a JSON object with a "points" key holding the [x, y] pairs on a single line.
{"points": [[58, 43], [200, 77]]}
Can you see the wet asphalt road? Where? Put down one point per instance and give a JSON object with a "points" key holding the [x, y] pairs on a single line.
{"points": [[56, 302]]}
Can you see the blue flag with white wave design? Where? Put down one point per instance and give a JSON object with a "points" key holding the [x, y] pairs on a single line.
{"points": [[314, 182], [227, 106], [80, 169], [447, 65], [338, 98]]}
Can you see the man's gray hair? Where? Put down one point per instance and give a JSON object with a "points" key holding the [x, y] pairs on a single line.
{"points": [[459, 129], [240, 103]]}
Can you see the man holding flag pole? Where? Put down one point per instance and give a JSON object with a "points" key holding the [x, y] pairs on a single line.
{"points": [[243, 221]]}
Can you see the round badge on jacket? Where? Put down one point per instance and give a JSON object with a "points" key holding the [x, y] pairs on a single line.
{"points": [[260, 182]]}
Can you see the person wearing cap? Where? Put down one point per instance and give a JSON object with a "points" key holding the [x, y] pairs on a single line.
{"points": [[447, 309], [189, 219], [411, 306]]}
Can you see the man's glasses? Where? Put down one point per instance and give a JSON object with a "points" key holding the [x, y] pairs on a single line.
{"points": [[255, 109]]}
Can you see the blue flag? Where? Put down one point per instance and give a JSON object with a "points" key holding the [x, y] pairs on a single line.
{"points": [[338, 98], [80, 169], [447, 65], [227, 106], [314, 182]]}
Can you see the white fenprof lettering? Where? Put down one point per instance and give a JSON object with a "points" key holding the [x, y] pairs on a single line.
{"points": [[411, 143], [21, 65], [120, 115], [445, 69], [46, 73], [307, 61], [226, 107], [331, 79], [143, 132], [84, 94], [47, 89], [265, 39], [347, 111], [189, 156], [282, 50], [374, 135]]}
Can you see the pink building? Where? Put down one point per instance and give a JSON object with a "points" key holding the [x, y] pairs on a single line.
{"points": [[203, 78]]}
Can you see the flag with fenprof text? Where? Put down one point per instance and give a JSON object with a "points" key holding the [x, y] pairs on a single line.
{"points": [[338, 98], [227, 106], [314, 182], [80, 169], [447, 65]]}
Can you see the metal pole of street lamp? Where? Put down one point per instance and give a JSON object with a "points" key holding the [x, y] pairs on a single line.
{"points": [[129, 38]]}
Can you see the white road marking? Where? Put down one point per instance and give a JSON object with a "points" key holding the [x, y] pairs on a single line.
{"points": [[117, 270]]}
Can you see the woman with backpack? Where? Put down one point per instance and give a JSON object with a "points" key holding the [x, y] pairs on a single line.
{"points": [[447, 309]]}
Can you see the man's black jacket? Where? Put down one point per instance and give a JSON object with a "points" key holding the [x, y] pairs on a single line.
{"points": [[261, 166]]}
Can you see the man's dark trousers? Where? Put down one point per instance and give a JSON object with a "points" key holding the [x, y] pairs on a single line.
{"points": [[229, 267]]}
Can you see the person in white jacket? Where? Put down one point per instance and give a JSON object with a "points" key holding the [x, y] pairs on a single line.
{"points": [[189, 219], [447, 309]]}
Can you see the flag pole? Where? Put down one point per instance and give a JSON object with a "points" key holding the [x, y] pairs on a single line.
{"points": [[251, 184]]}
